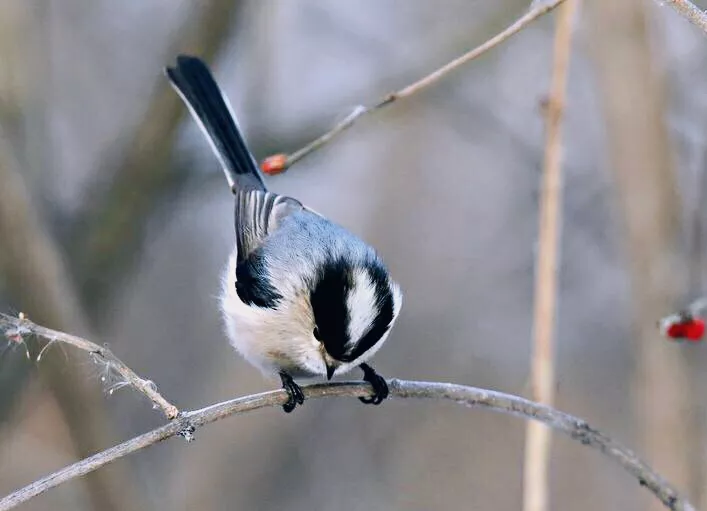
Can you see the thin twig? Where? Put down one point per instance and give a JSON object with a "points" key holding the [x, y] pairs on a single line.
{"points": [[689, 11], [21, 326], [542, 371], [575, 428], [428, 80]]}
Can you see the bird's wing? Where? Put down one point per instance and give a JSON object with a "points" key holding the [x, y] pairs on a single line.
{"points": [[258, 214]]}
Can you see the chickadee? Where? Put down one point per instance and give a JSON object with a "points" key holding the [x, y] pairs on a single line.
{"points": [[301, 296]]}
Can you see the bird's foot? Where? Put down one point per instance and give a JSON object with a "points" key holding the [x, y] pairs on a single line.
{"points": [[293, 391], [380, 387]]}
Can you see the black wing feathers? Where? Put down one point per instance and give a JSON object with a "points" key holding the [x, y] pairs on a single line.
{"points": [[253, 285], [195, 84]]}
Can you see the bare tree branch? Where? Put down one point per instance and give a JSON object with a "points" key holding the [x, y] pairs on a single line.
{"points": [[542, 371], [575, 428], [279, 163], [689, 11], [17, 328]]}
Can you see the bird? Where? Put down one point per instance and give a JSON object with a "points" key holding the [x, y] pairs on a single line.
{"points": [[301, 296]]}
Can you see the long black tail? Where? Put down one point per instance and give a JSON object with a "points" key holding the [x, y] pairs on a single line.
{"points": [[193, 81]]}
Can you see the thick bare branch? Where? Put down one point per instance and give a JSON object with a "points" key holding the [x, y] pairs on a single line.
{"points": [[575, 428], [18, 327], [689, 11]]}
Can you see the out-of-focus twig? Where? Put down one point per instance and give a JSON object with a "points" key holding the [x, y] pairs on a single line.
{"points": [[114, 224], [360, 111], [574, 427], [19, 327], [689, 11], [542, 370], [647, 191]]}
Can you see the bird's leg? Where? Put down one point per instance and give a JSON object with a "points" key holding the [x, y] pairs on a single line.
{"points": [[380, 387], [293, 391]]}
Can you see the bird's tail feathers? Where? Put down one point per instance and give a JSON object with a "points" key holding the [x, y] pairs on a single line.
{"points": [[195, 84]]}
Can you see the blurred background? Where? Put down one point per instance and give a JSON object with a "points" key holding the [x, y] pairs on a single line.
{"points": [[115, 223]]}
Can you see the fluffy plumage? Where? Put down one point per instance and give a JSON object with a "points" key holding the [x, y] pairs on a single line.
{"points": [[301, 296]]}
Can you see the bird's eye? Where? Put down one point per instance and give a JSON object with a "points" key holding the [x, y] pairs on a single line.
{"points": [[316, 334]]}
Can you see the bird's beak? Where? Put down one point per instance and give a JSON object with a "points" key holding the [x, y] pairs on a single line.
{"points": [[330, 371]]}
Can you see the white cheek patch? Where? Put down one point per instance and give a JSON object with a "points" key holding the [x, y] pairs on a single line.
{"points": [[397, 300], [361, 305]]}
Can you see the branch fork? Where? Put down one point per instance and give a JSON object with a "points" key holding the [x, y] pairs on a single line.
{"points": [[16, 329]]}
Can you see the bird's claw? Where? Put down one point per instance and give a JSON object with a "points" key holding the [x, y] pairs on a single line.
{"points": [[294, 392], [380, 387]]}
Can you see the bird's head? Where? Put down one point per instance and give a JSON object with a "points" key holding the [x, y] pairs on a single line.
{"points": [[354, 305]]}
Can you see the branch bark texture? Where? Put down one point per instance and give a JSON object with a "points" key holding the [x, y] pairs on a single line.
{"points": [[689, 11], [575, 428]]}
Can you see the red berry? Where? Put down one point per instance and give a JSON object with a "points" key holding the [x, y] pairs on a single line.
{"points": [[275, 164], [695, 329], [692, 329], [676, 331]]}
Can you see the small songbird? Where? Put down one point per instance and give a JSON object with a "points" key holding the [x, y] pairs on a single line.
{"points": [[301, 296]]}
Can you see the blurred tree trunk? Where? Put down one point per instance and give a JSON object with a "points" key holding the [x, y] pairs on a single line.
{"points": [[38, 282], [32, 264], [640, 159], [695, 362], [35, 276], [111, 231]]}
